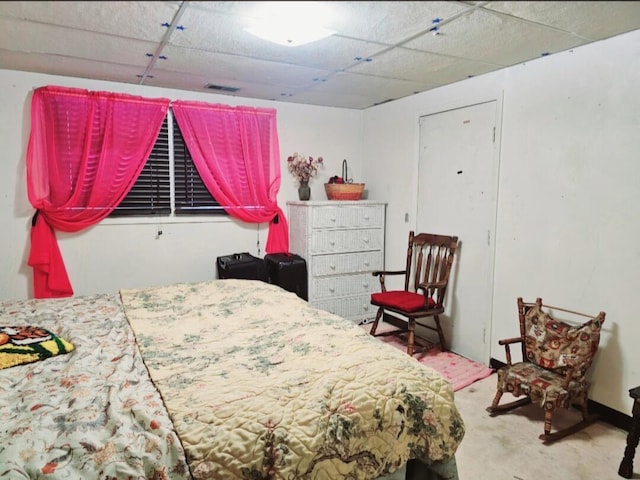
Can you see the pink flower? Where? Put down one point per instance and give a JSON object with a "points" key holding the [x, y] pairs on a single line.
{"points": [[302, 167]]}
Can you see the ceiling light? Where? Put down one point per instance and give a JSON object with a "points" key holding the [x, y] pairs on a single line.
{"points": [[291, 35], [290, 23]]}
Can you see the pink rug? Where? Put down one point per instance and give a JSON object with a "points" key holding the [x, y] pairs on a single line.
{"points": [[460, 371]]}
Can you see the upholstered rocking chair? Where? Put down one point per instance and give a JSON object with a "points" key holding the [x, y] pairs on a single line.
{"points": [[555, 359], [426, 278]]}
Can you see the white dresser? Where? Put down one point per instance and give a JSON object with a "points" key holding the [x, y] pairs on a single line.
{"points": [[342, 243]]}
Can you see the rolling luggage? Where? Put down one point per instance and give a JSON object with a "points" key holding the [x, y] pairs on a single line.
{"points": [[288, 271], [241, 265]]}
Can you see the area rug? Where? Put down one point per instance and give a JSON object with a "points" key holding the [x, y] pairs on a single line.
{"points": [[458, 370]]}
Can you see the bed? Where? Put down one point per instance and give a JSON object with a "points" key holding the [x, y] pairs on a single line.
{"points": [[226, 379]]}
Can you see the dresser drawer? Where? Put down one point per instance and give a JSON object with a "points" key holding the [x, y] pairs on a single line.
{"points": [[353, 216], [342, 242], [343, 285], [336, 241], [356, 308], [322, 265]]}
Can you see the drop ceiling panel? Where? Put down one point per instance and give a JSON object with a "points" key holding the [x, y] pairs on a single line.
{"points": [[391, 23], [246, 89], [423, 67], [233, 68], [367, 85], [57, 41], [353, 100], [176, 80], [141, 20], [591, 20], [504, 41], [70, 67]]}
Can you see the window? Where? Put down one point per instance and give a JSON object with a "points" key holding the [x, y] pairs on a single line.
{"points": [[152, 193]]}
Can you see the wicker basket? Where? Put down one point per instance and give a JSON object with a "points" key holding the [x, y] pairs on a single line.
{"points": [[344, 191]]}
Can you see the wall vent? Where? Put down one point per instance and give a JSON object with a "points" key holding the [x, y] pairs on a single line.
{"points": [[221, 88]]}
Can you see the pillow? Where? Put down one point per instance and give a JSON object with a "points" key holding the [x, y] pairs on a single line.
{"points": [[27, 344], [557, 345]]}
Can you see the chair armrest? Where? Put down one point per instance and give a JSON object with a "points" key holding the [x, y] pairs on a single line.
{"points": [[506, 342], [430, 289], [431, 285], [378, 273], [381, 275]]}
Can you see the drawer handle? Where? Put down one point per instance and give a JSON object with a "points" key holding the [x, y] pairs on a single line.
{"points": [[367, 217], [333, 219], [332, 267], [365, 285], [332, 289], [366, 263], [365, 307], [332, 243], [366, 240]]}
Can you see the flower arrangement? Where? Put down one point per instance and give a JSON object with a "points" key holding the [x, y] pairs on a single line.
{"points": [[302, 167]]}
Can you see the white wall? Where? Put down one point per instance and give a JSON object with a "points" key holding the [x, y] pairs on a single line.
{"points": [[128, 253], [568, 194]]}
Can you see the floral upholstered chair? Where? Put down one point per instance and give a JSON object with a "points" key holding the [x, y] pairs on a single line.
{"points": [[556, 357]]}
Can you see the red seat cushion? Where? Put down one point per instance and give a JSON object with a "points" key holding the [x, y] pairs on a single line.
{"points": [[402, 300]]}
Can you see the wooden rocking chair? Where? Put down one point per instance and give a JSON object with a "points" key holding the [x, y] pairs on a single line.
{"points": [[426, 277], [556, 356]]}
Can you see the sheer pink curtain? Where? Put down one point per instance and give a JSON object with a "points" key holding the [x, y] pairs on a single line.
{"points": [[237, 154], [85, 152]]}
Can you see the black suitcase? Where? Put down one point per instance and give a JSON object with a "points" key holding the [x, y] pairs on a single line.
{"points": [[242, 265], [289, 271]]}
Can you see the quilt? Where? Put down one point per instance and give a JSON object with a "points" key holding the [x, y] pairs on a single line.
{"points": [[259, 385], [91, 413]]}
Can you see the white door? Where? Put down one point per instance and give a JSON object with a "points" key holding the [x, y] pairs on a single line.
{"points": [[457, 190]]}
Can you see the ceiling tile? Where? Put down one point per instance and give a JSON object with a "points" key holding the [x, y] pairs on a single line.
{"points": [[141, 20], [353, 100], [345, 82], [169, 79], [423, 67], [503, 40], [391, 23], [233, 68], [57, 41], [591, 20], [70, 67]]}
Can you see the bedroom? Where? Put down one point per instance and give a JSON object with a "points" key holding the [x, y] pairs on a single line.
{"points": [[565, 218]]}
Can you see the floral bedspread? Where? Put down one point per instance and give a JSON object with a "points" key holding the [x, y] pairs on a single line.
{"points": [[92, 413], [261, 386]]}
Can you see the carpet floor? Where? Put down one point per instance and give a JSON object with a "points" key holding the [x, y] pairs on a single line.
{"points": [[506, 447], [458, 370]]}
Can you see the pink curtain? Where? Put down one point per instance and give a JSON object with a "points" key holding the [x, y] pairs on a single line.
{"points": [[236, 152], [85, 152]]}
